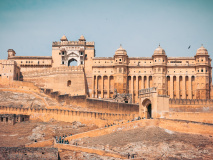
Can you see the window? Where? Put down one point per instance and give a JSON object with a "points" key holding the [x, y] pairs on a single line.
{"points": [[81, 62], [81, 53], [201, 70], [62, 62], [155, 60], [21, 61], [197, 70], [2, 119], [62, 52], [85, 55], [69, 83], [7, 119], [26, 61], [201, 60], [119, 59], [163, 60]]}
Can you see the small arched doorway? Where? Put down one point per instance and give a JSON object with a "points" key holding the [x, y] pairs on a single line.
{"points": [[147, 108], [149, 111], [72, 62]]}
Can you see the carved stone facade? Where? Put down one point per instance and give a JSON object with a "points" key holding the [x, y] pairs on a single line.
{"points": [[177, 77]]}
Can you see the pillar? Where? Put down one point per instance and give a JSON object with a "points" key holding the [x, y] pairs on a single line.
{"points": [[184, 87], [171, 87], [137, 88], [147, 77], [96, 87], [177, 87], [142, 81], [108, 89], [190, 87], [93, 89], [102, 86], [132, 87]]}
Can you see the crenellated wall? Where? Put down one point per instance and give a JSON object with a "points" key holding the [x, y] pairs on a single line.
{"points": [[100, 119], [191, 105]]}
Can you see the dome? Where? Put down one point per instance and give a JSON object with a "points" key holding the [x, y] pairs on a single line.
{"points": [[64, 38], [82, 38], [159, 51], [202, 51], [121, 51]]}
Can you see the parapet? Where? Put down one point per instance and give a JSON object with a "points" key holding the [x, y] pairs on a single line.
{"points": [[49, 71], [72, 43]]}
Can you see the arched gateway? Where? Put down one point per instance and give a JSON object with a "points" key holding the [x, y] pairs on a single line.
{"points": [[151, 104]]}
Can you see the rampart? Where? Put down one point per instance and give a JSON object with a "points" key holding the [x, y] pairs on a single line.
{"points": [[18, 85], [99, 119], [191, 105], [66, 80], [14, 153], [101, 105]]}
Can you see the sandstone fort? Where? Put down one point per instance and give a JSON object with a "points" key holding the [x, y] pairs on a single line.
{"points": [[115, 94]]}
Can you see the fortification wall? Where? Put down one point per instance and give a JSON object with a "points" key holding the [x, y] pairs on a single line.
{"points": [[191, 105], [190, 116], [14, 153], [66, 80], [4, 83], [99, 119], [41, 143], [102, 105]]}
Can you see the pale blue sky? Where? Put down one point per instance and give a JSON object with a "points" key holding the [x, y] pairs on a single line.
{"points": [[30, 26]]}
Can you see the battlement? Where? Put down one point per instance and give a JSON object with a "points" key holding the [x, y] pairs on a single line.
{"points": [[56, 70]]}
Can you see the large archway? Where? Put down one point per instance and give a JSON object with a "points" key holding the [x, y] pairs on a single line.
{"points": [[72, 62]]}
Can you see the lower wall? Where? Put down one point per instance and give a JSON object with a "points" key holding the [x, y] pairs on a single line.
{"points": [[88, 150], [99, 119], [41, 144], [19, 85], [191, 108], [103, 105], [190, 116], [14, 153], [173, 125]]}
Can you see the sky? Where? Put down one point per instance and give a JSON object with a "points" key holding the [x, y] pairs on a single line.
{"points": [[30, 26]]}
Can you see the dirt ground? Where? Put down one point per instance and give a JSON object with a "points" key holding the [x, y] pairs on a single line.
{"points": [[152, 143], [27, 132]]}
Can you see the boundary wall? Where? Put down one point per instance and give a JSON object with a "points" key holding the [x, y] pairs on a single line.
{"points": [[190, 116], [103, 106], [173, 125], [191, 105], [99, 119]]}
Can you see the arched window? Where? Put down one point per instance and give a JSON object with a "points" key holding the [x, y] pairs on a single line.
{"points": [[69, 83]]}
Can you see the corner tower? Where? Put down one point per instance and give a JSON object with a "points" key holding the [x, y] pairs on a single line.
{"points": [[203, 74]]}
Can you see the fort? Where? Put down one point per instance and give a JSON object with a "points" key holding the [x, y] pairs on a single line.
{"points": [[108, 95]]}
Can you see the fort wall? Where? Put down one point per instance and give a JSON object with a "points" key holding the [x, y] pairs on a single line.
{"points": [[99, 119], [182, 126], [14, 153], [190, 116], [191, 105], [41, 143], [66, 80]]}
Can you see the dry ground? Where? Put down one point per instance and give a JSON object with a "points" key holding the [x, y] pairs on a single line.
{"points": [[29, 131], [152, 143]]}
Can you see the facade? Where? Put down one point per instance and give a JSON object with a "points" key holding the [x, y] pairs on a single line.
{"points": [[177, 77]]}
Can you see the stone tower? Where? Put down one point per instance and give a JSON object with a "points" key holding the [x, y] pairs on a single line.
{"points": [[159, 69], [203, 72], [120, 70]]}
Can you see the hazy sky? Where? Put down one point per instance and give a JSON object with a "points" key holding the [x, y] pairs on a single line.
{"points": [[30, 26]]}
